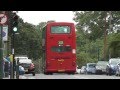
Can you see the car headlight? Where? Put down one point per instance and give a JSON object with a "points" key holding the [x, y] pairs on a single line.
{"points": [[112, 66]]}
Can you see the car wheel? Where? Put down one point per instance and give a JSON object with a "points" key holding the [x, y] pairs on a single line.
{"points": [[33, 73], [86, 72], [116, 74], [106, 73]]}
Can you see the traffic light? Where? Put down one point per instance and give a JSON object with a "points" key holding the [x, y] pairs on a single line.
{"points": [[14, 22]]}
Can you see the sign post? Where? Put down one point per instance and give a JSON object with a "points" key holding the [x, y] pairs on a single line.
{"points": [[3, 20], [1, 54]]}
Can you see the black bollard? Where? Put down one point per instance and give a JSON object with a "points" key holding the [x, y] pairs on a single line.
{"points": [[17, 69], [6, 69]]}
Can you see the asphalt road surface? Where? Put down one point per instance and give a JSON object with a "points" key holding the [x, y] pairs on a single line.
{"points": [[66, 76]]}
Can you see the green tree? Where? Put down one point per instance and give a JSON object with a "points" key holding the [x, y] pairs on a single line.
{"points": [[90, 34], [92, 23], [27, 42], [114, 45]]}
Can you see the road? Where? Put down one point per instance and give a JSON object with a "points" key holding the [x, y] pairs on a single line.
{"points": [[66, 76]]}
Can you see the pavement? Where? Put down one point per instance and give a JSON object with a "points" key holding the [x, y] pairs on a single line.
{"points": [[20, 77]]}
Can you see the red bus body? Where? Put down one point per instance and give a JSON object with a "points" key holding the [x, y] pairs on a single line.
{"points": [[59, 48]]}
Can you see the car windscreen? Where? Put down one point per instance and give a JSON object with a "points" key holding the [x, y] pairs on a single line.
{"points": [[25, 65], [114, 61], [101, 63], [83, 67], [91, 65]]}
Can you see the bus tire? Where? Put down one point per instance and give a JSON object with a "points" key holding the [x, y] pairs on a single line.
{"points": [[46, 73]]}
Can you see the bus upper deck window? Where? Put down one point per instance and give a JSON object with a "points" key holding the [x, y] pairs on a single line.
{"points": [[60, 29]]}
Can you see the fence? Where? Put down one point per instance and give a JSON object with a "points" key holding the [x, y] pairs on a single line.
{"points": [[38, 65]]}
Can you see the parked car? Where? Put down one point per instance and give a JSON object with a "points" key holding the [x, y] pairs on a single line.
{"points": [[21, 57], [77, 70], [112, 66], [118, 70], [83, 70], [91, 68], [28, 66], [101, 67]]}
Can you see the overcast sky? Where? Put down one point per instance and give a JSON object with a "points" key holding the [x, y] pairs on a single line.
{"points": [[35, 17]]}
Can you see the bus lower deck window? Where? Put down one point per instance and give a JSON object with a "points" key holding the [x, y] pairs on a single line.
{"points": [[61, 48]]}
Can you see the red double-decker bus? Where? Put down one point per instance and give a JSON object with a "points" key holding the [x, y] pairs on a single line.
{"points": [[59, 48]]}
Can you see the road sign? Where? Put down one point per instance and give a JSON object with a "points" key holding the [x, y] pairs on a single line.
{"points": [[5, 33], [3, 19]]}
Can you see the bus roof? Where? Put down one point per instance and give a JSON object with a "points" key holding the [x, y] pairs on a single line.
{"points": [[60, 22]]}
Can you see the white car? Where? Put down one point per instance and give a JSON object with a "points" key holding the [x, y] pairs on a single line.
{"points": [[118, 70], [83, 70], [77, 70]]}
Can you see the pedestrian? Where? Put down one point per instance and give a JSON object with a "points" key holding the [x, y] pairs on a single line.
{"points": [[21, 70], [8, 57], [6, 67]]}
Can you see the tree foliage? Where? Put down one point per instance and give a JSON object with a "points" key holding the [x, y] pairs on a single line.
{"points": [[91, 26], [28, 41]]}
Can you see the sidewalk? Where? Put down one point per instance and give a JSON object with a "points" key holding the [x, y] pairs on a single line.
{"points": [[20, 77]]}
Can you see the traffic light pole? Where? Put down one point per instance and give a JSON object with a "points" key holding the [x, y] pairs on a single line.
{"points": [[1, 54], [13, 54], [14, 24]]}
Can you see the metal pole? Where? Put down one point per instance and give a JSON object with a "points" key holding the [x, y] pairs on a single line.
{"points": [[17, 69], [11, 69], [13, 55], [1, 54]]}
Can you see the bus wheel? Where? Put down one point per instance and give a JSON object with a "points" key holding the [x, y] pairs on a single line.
{"points": [[46, 73], [50, 73], [71, 73]]}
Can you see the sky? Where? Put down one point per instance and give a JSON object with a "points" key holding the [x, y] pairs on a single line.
{"points": [[35, 17]]}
